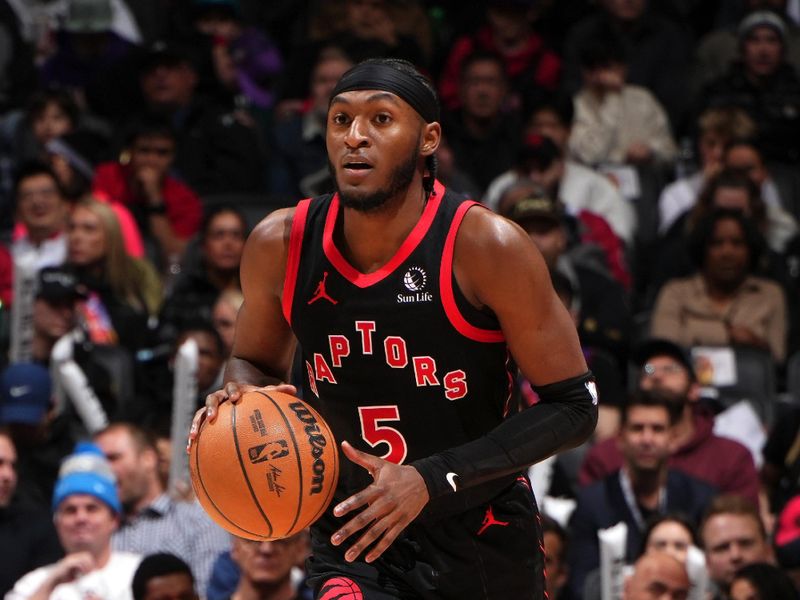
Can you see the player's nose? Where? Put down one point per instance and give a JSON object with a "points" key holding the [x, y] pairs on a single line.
{"points": [[356, 134]]}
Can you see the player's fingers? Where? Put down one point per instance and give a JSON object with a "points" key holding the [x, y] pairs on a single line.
{"points": [[362, 459], [389, 535], [363, 519], [286, 388], [366, 496], [370, 535], [213, 401], [196, 422], [233, 391]]}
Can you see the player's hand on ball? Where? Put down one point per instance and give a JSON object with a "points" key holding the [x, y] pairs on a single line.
{"points": [[233, 392], [395, 498]]}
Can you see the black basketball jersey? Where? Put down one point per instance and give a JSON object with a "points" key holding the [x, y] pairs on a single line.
{"points": [[398, 362]]}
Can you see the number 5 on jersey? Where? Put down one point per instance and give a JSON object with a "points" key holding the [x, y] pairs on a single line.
{"points": [[375, 434]]}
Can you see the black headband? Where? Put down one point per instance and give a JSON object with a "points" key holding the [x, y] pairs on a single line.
{"points": [[372, 76]]}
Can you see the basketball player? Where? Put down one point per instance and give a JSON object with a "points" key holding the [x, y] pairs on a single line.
{"points": [[406, 301]]}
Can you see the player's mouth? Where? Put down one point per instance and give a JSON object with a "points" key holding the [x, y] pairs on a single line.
{"points": [[356, 169]]}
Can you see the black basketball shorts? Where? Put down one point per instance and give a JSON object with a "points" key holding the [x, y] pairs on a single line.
{"points": [[491, 552]]}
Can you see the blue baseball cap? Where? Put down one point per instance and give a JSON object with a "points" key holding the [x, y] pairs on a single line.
{"points": [[25, 392], [86, 471]]}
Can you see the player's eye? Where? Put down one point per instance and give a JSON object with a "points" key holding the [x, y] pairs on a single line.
{"points": [[340, 119], [383, 118]]}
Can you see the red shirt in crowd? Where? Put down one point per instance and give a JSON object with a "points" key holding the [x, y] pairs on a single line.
{"points": [[184, 210]]}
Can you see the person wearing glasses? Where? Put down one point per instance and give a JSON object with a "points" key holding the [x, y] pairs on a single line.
{"points": [[722, 462], [167, 211]]}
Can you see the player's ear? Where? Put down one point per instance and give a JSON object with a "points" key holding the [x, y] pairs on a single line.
{"points": [[431, 136]]}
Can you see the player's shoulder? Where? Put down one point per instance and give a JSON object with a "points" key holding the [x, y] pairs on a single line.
{"points": [[483, 230]]}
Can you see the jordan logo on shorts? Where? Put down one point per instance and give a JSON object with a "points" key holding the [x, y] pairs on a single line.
{"points": [[320, 292], [489, 520]]}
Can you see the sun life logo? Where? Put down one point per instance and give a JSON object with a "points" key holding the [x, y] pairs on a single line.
{"points": [[415, 279]]}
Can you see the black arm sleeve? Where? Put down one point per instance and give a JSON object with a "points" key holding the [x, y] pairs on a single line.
{"points": [[565, 416]]}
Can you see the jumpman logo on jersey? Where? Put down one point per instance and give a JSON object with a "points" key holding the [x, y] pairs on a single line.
{"points": [[320, 292], [489, 520]]}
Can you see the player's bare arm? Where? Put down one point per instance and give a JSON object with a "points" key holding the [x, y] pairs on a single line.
{"points": [[264, 344], [497, 266]]}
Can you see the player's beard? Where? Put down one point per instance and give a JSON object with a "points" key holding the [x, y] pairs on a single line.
{"points": [[399, 181]]}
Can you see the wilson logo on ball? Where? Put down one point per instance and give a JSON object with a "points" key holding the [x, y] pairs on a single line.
{"points": [[317, 442]]}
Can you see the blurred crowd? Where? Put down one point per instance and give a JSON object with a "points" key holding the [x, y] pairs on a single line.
{"points": [[650, 148]]}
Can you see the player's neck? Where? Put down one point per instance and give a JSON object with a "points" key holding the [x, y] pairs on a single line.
{"points": [[370, 239]]}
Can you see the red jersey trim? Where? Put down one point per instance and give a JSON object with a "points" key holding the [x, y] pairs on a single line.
{"points": [[446, 285], [293, 260], [364, 280]]}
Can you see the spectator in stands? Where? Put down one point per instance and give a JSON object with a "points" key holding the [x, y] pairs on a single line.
{"points": [[658, 51], [53, 310], [657, 576], [733, 190], [224, 315], [718, 49], [266, 567], [764, 85], [671, 533], [195, 290], [215, 151], [123, 293], [43, 211], [746, 157], [723, 303], [540, 162], [86, 513], [27, 537], [50, 113], [760, 581], [163, 576], [579, 187], [645, 486], [616, 122], [88, 55], [556, 569], [717, 128], [246, 62], [362, 29], [300, 167], [604, 314], [154, 522], [694, 449], [167, 211], [484, 137], [733, 536], [211, 359], [73, 158], [532, 69], [41, 440]]}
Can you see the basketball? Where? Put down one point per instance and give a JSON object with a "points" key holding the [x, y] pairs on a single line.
{"points": [[266, 468]]}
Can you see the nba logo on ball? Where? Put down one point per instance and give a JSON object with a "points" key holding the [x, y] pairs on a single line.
{"points": [[266, 468]]}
